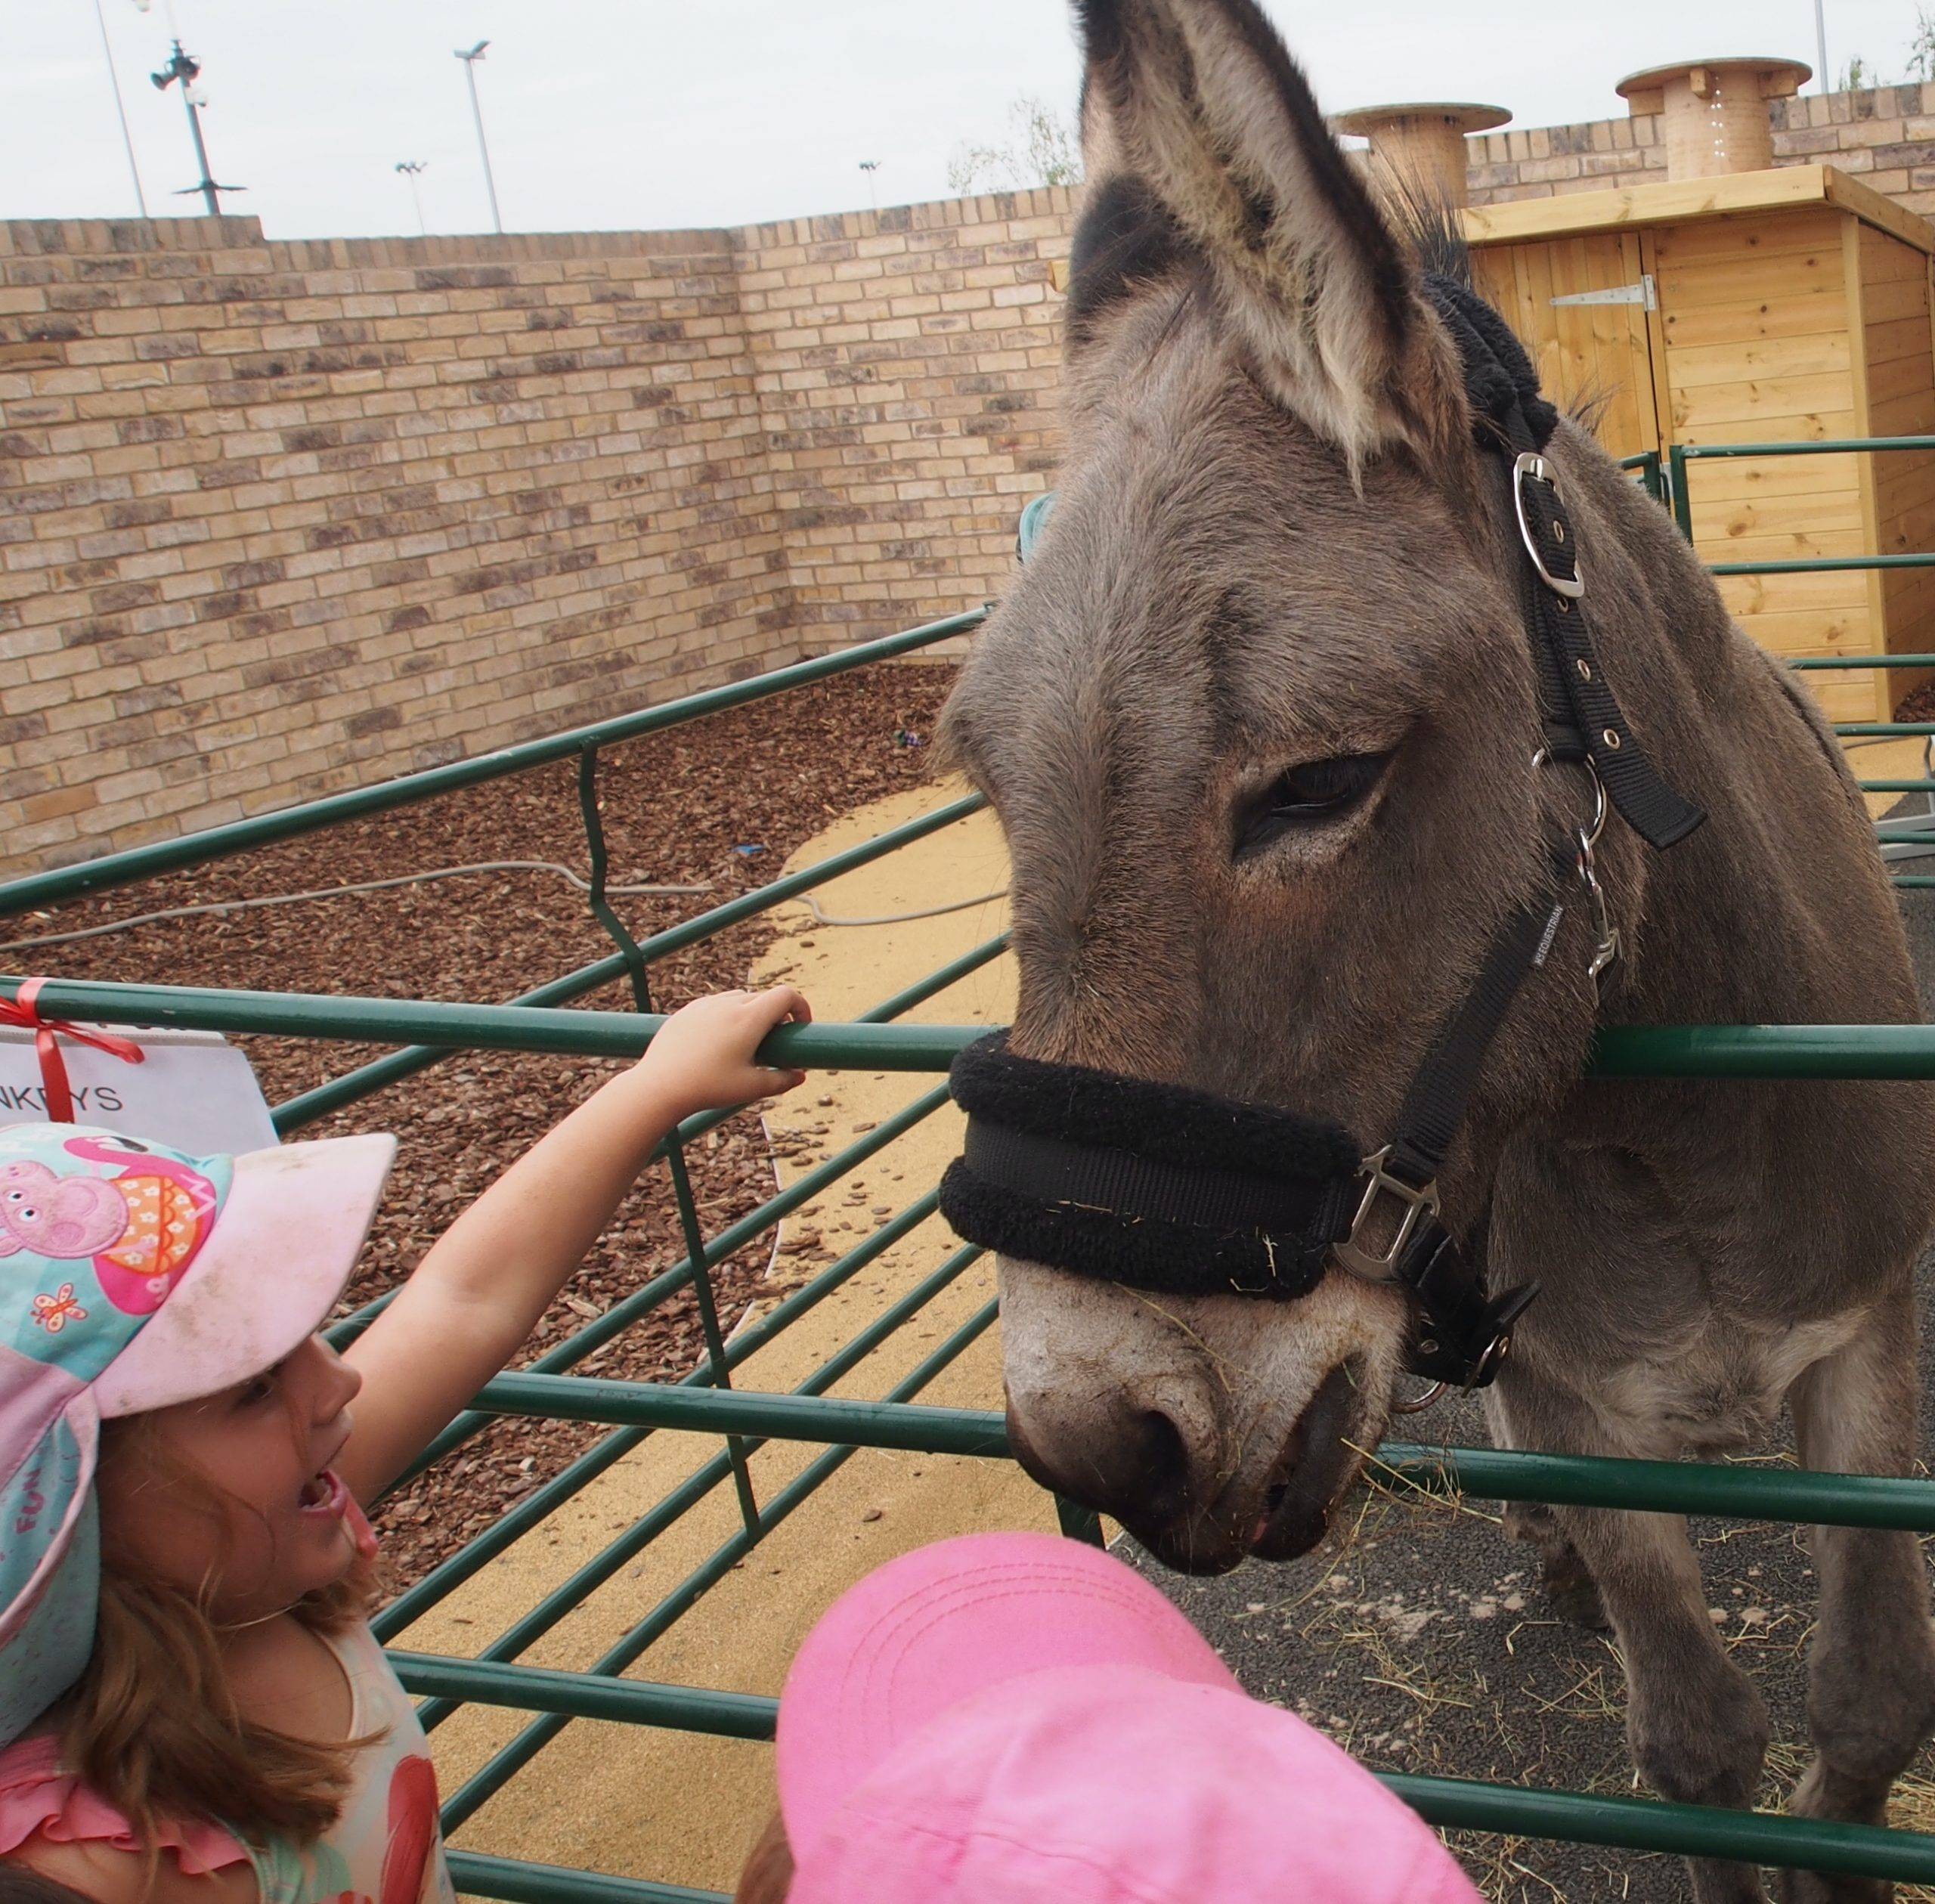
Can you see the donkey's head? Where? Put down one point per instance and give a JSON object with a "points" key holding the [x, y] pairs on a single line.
{"points": [[1258, 718]]}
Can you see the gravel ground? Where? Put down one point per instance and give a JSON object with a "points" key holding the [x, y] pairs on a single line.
{"points": [[1422, 1640], [676, 807]]}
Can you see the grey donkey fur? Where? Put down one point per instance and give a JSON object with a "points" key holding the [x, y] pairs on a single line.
{"points": [[1275, 544]]}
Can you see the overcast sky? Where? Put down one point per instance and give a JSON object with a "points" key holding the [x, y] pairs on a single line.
{"points": [[618, 114]]}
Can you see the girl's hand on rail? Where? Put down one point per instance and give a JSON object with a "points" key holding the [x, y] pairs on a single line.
{"points": [[702, 1058], [480, 1291]]}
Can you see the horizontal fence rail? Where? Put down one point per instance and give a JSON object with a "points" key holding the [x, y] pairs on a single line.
{"points": [[1726, 1491], [1829, 446], [1745, 1051]]}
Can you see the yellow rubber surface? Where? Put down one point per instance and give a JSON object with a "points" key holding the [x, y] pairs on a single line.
{"points": [[1905, 759], [678, 1807]]}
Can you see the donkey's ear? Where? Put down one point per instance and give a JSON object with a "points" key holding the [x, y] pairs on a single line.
{"points": [[1199, 101]]}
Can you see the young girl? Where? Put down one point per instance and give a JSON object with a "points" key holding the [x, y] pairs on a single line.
{"points": [[193, 1709]]}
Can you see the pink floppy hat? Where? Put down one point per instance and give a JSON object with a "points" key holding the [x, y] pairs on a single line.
{"points": [[1014, 1718], [133, 1276]]}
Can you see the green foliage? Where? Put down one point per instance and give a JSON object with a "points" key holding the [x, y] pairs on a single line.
{"points": [[1918, 63], [1042, 148], [1921, 46]]}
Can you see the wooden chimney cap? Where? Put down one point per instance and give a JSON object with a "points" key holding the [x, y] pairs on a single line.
{"points": [[1418, 151], [1644, 91], [1713, 120], [1363, 122]]}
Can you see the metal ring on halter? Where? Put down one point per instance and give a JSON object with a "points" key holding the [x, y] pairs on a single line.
{"points": [[1602, 805], [1419, 1404]]}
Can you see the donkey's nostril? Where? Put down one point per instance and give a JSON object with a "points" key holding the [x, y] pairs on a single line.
{"points": [[1161, 1494], [1134, 1466]]}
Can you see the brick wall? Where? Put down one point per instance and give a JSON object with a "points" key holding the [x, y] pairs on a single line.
{"points": [[906, 363], [277, 519], [1886, 135]]}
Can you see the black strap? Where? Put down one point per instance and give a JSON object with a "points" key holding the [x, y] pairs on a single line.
{"points": [[1582, 715], [1498, 376], [1441, 1093], [1459, 1335]]}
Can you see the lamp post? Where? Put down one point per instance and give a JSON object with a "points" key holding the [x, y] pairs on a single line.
{"points": [[470, 60], [1821, 45], [411, 167], [185, 68], [870, 166], [120, 110]]}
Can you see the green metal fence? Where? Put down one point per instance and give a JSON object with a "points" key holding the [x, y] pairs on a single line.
{"points": [[428, 1033], [1668, 479]]}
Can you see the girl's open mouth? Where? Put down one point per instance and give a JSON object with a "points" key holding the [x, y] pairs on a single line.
{"points": [[324, 1496]]}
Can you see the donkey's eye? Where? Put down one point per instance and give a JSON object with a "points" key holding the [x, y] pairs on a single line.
{"points": [[1307, 796]]}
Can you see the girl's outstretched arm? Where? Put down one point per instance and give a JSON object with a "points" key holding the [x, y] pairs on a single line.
{"points": [[480, 1289]]}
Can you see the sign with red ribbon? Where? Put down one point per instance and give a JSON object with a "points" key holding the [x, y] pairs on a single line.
{"points": [[192, 1090], [57, 1095]]}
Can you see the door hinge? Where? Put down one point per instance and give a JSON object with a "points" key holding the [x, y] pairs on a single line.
{"points": [[1642, 294]]}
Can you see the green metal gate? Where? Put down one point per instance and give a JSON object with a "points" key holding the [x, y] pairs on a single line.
{"points": [[540, 1021]]}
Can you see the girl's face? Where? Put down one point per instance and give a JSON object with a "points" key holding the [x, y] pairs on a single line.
{"points": [[234, 1492]]}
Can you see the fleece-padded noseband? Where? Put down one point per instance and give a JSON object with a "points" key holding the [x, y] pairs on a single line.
{"points": [[1157, 1187], [1160, 1187], [1178, 1192]]}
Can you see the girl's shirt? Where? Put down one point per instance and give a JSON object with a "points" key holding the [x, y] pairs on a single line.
{"points": [[385, 1848]]}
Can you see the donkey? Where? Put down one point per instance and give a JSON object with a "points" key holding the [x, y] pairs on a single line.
{"points": [[1259, 721]]}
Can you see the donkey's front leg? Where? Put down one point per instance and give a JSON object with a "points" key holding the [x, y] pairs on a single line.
{"points": [[1696, 1725], [1870, 1673]]}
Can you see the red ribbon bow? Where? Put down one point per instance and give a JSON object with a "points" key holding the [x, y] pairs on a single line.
{"points": [[24, 1011]]}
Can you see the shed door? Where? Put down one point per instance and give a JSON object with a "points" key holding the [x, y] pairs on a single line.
{"points": [[1592, 355]]}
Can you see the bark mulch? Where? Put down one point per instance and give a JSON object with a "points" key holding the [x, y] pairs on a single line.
{"points": [[1918, 705], [678, 807]]}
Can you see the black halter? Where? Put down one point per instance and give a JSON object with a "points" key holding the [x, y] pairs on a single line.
{"points": [[1183, 1193]]}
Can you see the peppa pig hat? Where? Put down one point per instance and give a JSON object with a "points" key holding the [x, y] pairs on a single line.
{"points": [[133, 1278]]}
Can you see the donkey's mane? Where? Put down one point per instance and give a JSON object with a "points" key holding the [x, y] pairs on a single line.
{"points": [[1427, 228]]}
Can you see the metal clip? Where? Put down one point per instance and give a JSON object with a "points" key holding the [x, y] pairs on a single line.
{"points": [[1358, 1257], [1606, 953], [1529, 464]]}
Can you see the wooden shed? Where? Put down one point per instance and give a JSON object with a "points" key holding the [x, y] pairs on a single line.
{"points": [[1766, 306]]}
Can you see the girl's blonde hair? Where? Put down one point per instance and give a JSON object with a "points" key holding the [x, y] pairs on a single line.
{"points": [[154, 1727]]}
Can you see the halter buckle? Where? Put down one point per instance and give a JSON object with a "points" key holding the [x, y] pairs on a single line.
{"points": [[1353, 1253], [1531, 464]]}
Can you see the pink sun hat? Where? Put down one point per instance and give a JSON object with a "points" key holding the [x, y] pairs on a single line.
{"points": [[134, 1277], [1016, 1718]]}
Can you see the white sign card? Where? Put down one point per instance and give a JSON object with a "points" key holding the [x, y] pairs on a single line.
{"points": [[193, 1090]]}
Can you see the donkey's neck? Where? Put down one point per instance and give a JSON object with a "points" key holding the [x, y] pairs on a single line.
{"points": [[1750, 919]]}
